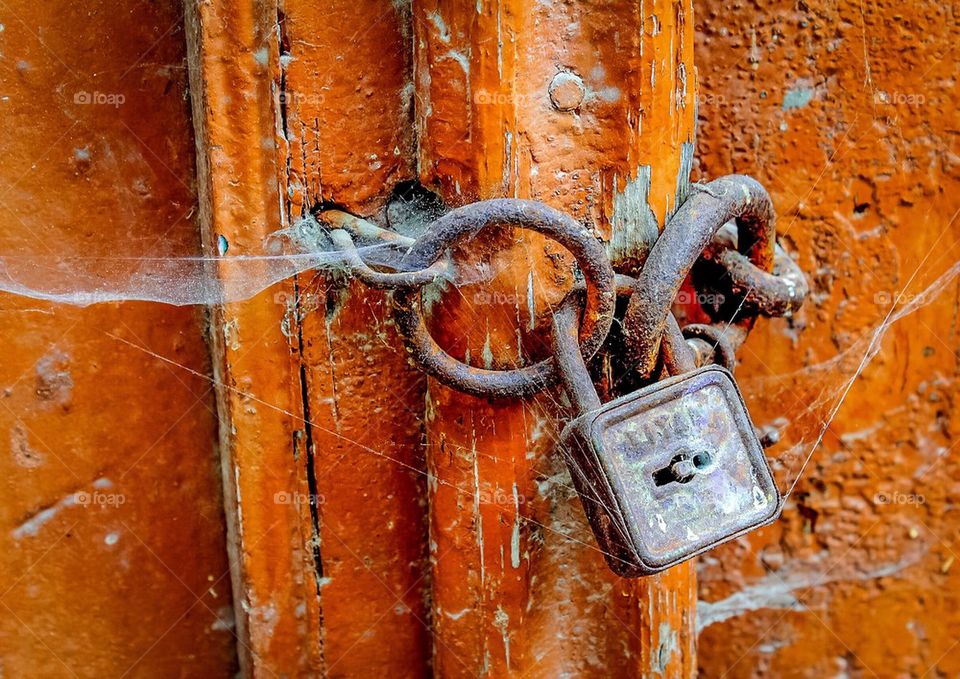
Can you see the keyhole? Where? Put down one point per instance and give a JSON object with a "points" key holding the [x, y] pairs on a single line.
{"points": [[683, 468]]}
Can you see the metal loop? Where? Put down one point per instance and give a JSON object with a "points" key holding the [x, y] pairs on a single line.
{"points": [[572, 368], [777, 293], [378, 279], [679, 246], [718, 344], [467, 221]]}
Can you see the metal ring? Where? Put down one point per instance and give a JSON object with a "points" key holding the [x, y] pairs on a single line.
{"points": [[777, 293], [723, 352], [469, 220], [681, 244], [379, 279]]}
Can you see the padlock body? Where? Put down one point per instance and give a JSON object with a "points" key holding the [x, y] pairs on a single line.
{"points": [[670, 471]]}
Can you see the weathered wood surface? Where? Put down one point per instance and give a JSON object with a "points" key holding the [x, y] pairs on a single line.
{"points": [[112, 556], [314, 117], [590, 108]]}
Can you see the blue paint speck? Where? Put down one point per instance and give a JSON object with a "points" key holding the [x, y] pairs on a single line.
{"points": [[222, 245], [798, 97]]}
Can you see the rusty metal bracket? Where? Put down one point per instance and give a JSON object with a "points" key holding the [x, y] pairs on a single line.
{"points": [[467, 221], [751, 273]]}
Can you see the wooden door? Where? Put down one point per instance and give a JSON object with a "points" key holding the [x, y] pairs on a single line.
{"points": [[445, 536], [271, 484]]}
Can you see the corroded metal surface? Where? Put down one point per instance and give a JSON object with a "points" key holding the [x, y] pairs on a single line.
{"points": [[467, 222], [667, 472], [690, 231]]}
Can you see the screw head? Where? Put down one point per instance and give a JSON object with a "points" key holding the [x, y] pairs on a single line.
{"points": [[566, 91]]}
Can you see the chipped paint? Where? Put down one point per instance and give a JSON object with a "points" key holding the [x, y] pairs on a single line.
{"points": [[777, 590], [634, 225], [797, 97]]}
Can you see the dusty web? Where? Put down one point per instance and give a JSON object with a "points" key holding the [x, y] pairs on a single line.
{"points": [[811, 395]]}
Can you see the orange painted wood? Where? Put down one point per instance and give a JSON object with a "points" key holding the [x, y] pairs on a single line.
{"points": [[512, 558], [349, 142], [112, 555], [234, 61], [518, 584], [326, 407]]}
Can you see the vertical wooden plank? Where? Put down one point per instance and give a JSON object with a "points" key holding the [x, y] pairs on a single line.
{"points": [[234, 60], [346, 106], [112, 556], [589, 107], [335, 573]]}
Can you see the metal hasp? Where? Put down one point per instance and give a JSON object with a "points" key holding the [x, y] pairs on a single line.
{"points": [[670, 471]]}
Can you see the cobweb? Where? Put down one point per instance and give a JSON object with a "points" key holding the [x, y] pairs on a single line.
{"points": [[811, 395]]}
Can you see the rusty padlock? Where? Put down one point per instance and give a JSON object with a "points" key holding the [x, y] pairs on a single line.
{"points": [[666, 472]]}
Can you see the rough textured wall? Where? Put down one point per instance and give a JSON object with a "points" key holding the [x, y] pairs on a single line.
{"points": [[846, 111], [112, 558]]}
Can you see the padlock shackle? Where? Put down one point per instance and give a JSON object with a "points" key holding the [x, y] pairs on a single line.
{"points": [[574, 375], [685, 236]]}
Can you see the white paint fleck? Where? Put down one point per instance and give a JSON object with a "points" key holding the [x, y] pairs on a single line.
{"points": [[461, 59], [515, 536], [666, 647], [441, 26], [225, 620], [111, 539], [776, 589], [531, 302], [635, 227], [487, 353], [797, 97], [231, 334], [502, 622]]}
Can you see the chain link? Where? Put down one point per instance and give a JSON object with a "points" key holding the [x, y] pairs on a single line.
{"points": [[745, 270]]}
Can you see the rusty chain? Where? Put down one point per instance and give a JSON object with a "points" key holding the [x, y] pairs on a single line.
{"points": [[746, 268]]}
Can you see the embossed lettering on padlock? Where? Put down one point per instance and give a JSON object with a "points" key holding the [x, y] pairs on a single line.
{"points": [[670, 471]]}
